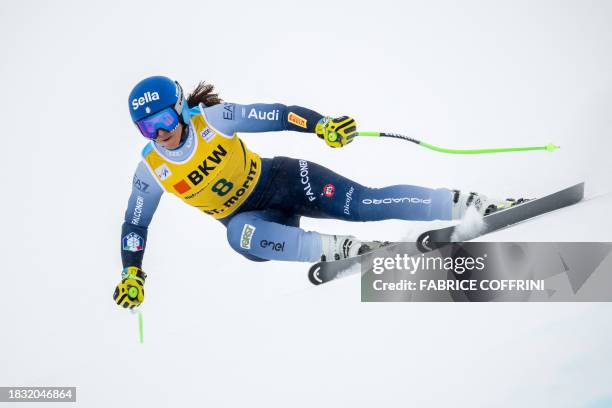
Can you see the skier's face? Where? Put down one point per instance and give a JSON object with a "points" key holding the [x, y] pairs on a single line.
{"points": [[170, 140]]}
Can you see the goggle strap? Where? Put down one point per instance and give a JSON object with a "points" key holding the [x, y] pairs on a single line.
{"points": [[178, 106]]}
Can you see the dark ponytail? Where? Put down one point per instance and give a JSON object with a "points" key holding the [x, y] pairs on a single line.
{"points": [[203, 93]]}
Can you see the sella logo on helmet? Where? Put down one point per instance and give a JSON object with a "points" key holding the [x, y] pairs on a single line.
{"points": [[146, 98]]}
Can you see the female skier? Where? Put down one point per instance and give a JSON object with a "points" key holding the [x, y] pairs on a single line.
{"points": [[194, 152]]}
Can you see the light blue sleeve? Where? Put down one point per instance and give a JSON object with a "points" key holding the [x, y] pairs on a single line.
{"points": [[229, 118], [143, 201]]}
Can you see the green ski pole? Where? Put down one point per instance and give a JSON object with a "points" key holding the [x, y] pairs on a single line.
{"points": [[549, 147], [140, 324]]}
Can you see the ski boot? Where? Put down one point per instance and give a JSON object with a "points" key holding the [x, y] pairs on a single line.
{"points": [[336, 247], [483, 204]]}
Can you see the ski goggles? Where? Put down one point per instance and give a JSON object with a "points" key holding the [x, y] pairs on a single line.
{"points": [[166, 119]]}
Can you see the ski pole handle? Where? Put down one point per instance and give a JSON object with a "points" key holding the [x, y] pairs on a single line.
{"points": [[549, 147]]}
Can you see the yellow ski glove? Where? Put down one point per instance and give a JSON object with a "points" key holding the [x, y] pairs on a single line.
{"points": [[337, 132], [129, 293]]}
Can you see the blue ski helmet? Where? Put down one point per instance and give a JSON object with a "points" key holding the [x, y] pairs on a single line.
{"points": [[154, 94]]}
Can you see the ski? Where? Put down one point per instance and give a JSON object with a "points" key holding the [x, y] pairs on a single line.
{"points": [[433, 239], [322, 272]]}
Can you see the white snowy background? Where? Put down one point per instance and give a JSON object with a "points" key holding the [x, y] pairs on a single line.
{"points": [[223, 332]]}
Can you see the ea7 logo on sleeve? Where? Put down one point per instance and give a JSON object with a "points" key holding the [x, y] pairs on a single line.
{"points": [[163, 172], [133, 242], [228, 111], [297, 120], [247, 236], [141, 185]]}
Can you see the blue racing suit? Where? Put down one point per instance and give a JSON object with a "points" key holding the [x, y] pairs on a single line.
{"points": [[266, 225]]}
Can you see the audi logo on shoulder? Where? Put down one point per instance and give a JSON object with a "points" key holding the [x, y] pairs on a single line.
{"points": [[396, 200]]}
